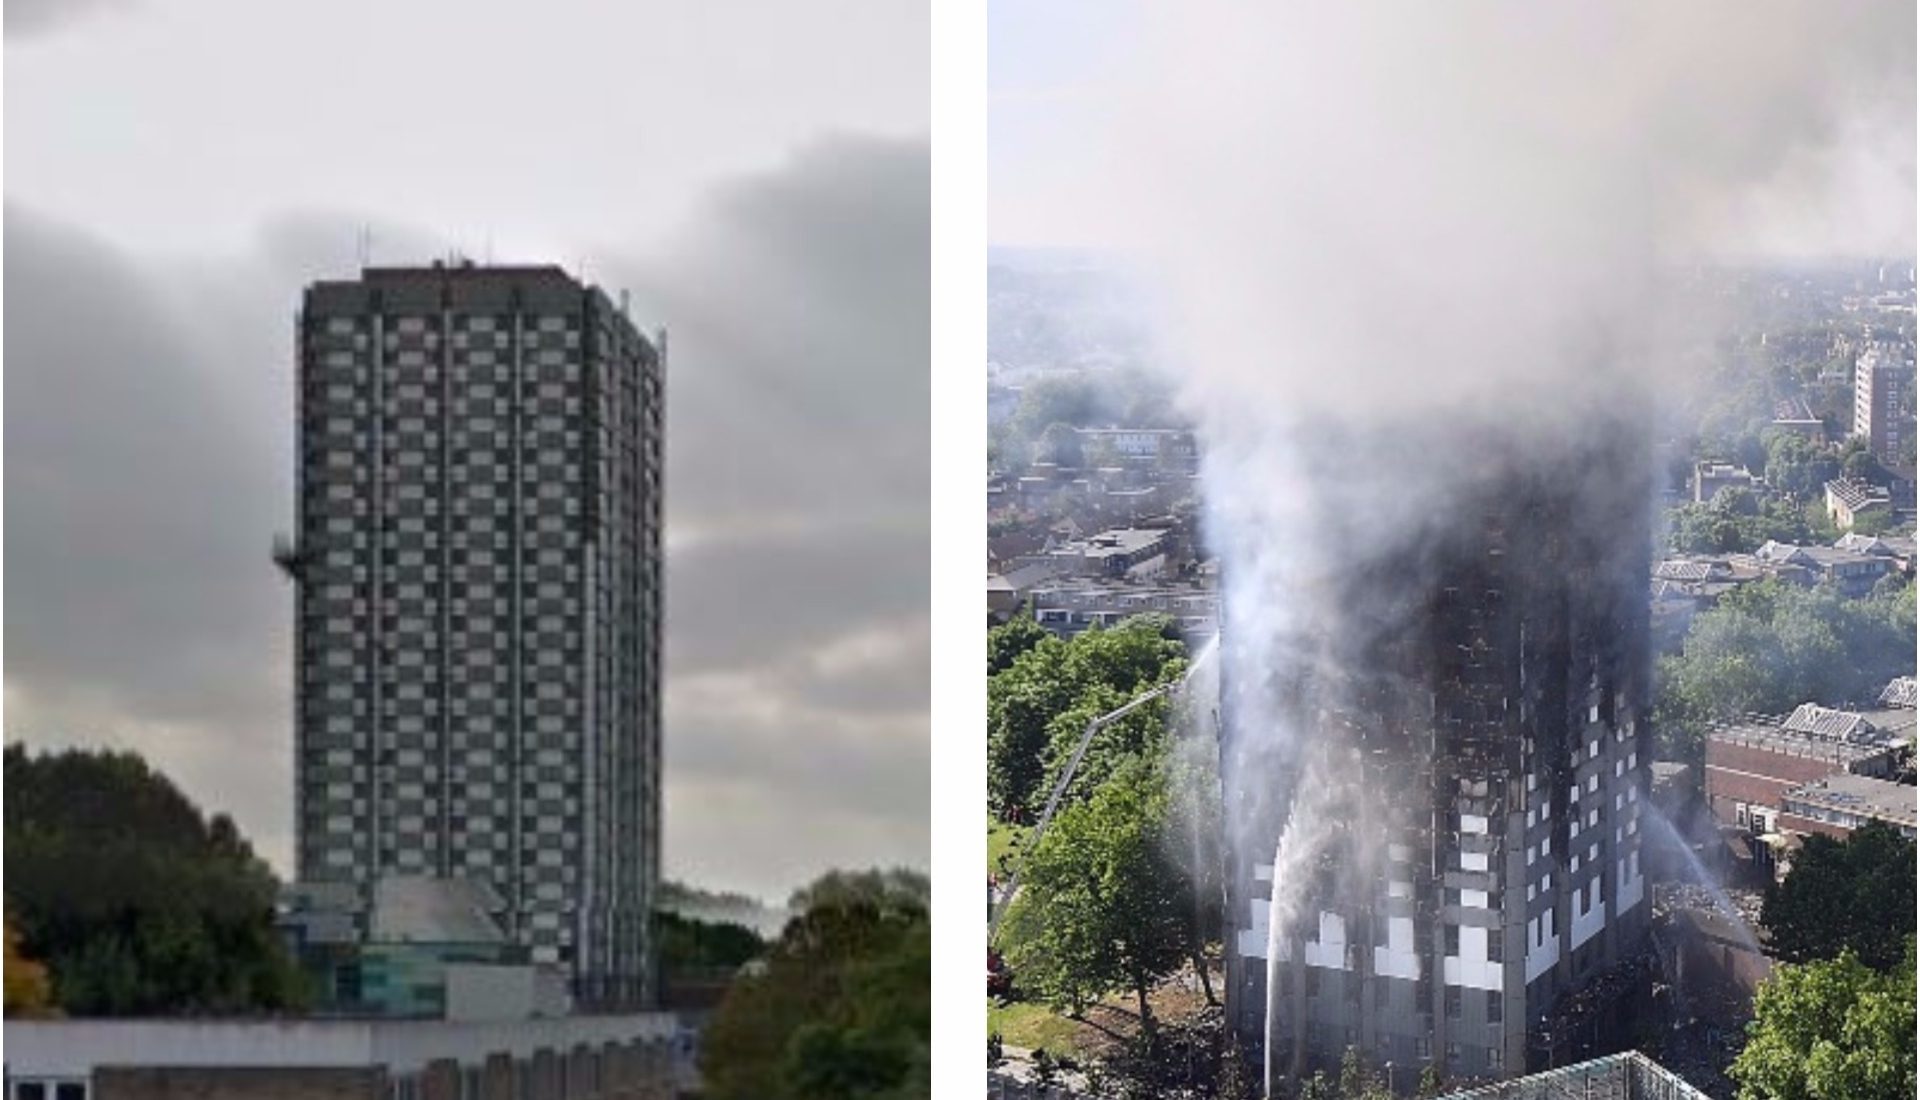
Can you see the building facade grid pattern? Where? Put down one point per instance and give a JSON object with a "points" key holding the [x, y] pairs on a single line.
{"points": [[478, 556]]}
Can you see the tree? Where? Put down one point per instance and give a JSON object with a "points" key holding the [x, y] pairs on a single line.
{"points": [[1060, 445], [1071, 400], [1357, 1079], [686, 944], [138, 904], [28, 991], [1875, 523], [1769, 647], [1022, 699], [1045, 697], [1735, 521], [841, 1008], [1799, 467], [1854, 895], [1860, 466], [1831, 1030], [1101, 909], [1012, 638]]}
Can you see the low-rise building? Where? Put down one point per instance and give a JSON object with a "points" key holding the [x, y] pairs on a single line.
{"points": [[1793, 414], [1145, 445], [1839, 804], [1121, 552], [1007, 591], [1849, 500], [1711, 477], [1751, 765], [643, 1055], [1070, 607], [1898, 549], [1851, 574]]}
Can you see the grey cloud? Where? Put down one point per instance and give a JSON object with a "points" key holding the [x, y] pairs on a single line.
{"points": [[748, 596], [797, 307], [810, 285], [25, 18], [149, 444]]}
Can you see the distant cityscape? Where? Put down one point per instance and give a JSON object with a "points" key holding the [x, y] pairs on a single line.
{"points": [[1560, 882]]}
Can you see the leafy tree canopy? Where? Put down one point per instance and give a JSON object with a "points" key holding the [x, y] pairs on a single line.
{"points": [[28, 990], [1853, 895], [1102, 907], [1010, 639], [1735, 522], [1831, 1030], [1799, 467], [687, 944], [1771, 646], [841, 1009], [1055, 685], [136, 902]]}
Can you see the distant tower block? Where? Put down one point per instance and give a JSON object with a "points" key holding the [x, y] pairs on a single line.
{"points": [[478, 565], [1878, 381]]}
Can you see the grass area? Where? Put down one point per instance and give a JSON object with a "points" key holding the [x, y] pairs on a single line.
{"points": [[1032, 1025], [1001, 838]]}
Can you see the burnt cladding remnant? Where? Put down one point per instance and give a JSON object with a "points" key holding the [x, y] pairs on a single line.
{"points": [[1451, 741]]}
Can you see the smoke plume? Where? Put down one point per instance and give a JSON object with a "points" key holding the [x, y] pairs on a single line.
{"points": [[1400, 247]]}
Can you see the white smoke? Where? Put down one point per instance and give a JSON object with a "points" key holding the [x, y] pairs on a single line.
{"points": [[1391, 239]]}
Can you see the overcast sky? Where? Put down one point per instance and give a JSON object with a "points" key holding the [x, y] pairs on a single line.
{"points": [[755, 173]]}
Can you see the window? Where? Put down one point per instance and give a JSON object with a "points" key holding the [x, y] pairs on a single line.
{"points": [[1496, 1006], [1496, 950], [1453, 939], [1453, 1002]]}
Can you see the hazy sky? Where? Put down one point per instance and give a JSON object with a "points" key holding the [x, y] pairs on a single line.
{"points": [[756, 174], [1101, 111]]}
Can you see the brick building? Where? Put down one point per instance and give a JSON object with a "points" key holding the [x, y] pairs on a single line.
{"points": [[1752, 765]]}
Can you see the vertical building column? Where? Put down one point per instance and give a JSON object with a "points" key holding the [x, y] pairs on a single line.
{"points": [[444, 797], [516, 751], [376, 582]]}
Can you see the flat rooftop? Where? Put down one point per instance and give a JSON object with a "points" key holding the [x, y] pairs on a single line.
{"points": [[1629, 1076], [1821, 732], [1861, 794]]}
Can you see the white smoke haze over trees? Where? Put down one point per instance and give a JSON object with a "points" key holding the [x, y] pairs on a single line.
{"points": [[1394, 245]]}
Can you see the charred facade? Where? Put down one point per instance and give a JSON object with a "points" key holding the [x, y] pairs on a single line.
{"points": [[1477, 692]]}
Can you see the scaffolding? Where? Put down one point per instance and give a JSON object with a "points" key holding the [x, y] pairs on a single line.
{"points": [[1629, 1076]]}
